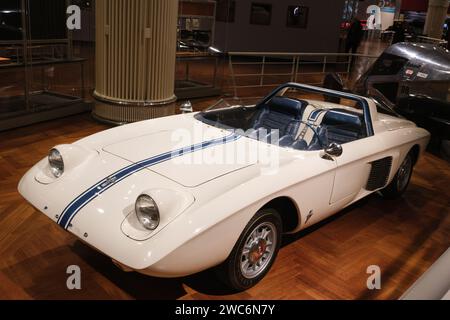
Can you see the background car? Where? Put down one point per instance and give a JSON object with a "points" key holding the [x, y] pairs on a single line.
{"points": [[415, 79]]}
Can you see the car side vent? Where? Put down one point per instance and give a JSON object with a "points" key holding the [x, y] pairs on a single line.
{"points": [[379, 174]]}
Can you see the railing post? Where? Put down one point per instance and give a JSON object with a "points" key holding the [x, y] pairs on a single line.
{"points": [[324, 65], [187, 70], [297, 66], [294, 61], [216, 67], [83, 84], [233, 78], [263, 68], [349, 65]]}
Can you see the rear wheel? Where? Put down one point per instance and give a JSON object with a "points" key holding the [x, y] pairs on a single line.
{"points": [[401, 180], [255, 251]]}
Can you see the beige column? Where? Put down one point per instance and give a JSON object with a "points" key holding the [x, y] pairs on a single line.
{"points": [[135, 59], [437, 12]]}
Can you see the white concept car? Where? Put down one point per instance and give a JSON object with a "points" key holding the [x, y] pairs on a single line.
{"points": [[175, 196]]}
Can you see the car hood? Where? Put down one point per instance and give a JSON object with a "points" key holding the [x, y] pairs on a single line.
{"points": [[188, 158]]}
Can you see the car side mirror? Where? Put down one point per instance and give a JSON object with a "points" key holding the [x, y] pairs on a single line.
{"points": [[186, 107], [334, 150]]}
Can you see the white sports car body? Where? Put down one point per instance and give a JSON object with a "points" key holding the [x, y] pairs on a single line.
{"points": [[195, 211]]}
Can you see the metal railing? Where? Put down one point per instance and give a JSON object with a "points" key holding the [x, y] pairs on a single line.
{"points": [[252, 69], [436, 41], [388, 36]]}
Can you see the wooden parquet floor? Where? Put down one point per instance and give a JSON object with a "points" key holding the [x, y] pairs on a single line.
{"points": [[403, 237]]}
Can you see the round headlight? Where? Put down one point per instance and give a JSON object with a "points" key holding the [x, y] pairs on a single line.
{"points": [[147, 212], [56, 163]]}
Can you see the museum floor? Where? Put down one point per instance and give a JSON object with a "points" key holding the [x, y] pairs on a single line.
{"points": [[328, 261]]}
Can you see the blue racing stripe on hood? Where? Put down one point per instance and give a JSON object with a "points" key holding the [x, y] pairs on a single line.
{"points": [[93, 192]]}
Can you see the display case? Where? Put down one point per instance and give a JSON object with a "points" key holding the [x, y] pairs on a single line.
{"points": [[35, 84], [196, 24], [197, 64]]}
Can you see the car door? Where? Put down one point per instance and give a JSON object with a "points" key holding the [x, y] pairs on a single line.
{"points": [[353, 170], [357, 159]]}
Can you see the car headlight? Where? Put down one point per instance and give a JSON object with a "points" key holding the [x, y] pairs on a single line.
{"points": [[147, 212], [56, 163]]}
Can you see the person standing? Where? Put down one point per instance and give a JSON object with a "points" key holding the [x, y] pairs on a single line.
{"points": [[399, 29], [354, 36]]}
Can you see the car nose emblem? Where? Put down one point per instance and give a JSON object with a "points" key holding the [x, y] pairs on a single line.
{"points": [[108, 182]]}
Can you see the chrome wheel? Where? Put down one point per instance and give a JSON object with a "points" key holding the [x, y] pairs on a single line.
{"points": [[404, 174], [258, 250]]}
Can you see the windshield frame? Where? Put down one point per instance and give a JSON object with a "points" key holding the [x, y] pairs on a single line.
{"points": [[212, 115], [363, 102]]}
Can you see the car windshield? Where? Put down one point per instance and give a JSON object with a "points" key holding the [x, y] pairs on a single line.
{"points": [[291, 120], [382, 103]]}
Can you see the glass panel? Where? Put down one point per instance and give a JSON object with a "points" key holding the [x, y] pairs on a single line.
{"points": [[39, 73], [226, 10], [47, 19], [10, 20], [388, 65]]}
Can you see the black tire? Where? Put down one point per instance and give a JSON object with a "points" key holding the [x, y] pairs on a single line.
{"points": [[231, 271], [401, 180]]}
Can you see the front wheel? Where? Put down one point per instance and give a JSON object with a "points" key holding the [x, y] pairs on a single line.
{"points": [[255, 251], [401, 180]]}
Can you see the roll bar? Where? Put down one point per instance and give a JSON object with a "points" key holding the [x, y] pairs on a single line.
{"points": [[333, 93]]}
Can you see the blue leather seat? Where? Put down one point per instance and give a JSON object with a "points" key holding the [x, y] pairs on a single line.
{"points": [[280, 113], [342, 126]]}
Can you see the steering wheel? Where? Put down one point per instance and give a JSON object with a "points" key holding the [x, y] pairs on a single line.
{"points": [[314, 129]]}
